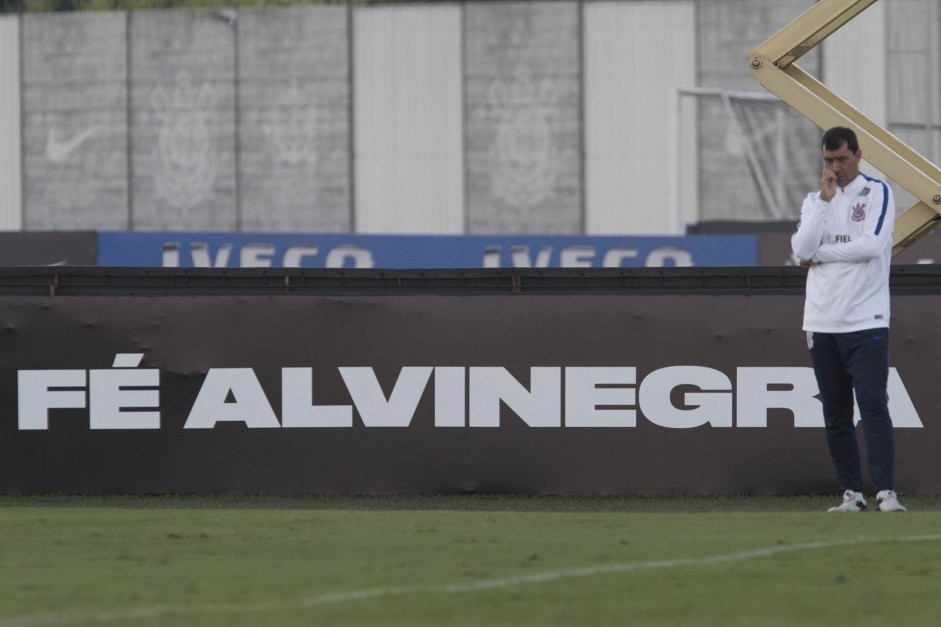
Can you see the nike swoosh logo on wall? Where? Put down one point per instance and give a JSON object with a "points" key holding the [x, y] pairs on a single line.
{"points": [[58, 150]]}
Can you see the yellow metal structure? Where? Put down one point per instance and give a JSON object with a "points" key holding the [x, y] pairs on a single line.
{"points": [[773, 65]]}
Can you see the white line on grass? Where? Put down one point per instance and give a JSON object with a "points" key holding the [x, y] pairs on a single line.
{"points": [[73, 618]]}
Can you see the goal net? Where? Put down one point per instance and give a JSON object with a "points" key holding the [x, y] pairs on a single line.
{"points": [[756, 157]]}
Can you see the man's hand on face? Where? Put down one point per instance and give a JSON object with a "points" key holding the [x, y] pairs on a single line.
{"points": [[827, 185]]}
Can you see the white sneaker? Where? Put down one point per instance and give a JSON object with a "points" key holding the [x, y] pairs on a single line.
{"points": [[888, 501], [852, 502]]}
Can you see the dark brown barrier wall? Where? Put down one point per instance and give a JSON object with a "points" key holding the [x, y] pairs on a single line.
{"points": [[51, 248], [632, 381]]}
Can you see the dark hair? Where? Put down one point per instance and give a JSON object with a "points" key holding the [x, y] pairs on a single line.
{"points": [[839, 135]]}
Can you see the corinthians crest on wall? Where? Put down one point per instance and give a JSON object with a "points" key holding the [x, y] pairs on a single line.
{"points": [[185, 159], [291, 127], [523, 121], [524, 155], [294, 125]]}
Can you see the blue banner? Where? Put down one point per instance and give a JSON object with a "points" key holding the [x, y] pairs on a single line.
{"points": [[337, 250]]}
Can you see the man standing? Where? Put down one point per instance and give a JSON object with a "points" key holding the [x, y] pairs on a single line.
{"points": [[845, 240]]}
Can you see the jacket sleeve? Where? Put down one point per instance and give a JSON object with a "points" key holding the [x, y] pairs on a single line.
{"points": [[876, 235], [809, 235]]}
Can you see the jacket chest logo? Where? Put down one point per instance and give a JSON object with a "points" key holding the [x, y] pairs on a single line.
{"points": [[859, 212]]}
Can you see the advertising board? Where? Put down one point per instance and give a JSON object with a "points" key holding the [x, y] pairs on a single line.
{"points": [[587, 392], [340, 250]]}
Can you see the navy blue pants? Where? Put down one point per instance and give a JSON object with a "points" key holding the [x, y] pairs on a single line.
{"points": [[858, 362]]}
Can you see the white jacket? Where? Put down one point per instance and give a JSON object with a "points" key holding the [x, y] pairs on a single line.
{"points": [[849, 240]]}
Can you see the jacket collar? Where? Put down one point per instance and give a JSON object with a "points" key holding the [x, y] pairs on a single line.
{"points": [[856, 185]]}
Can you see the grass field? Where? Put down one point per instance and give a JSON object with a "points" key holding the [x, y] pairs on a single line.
{"points": [[465, 560]]}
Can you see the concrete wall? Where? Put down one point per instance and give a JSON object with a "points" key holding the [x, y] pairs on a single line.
{"points": [[499, 117], [74, 120], [294, 119], [408, 120], [10, 183], [631, 113]]}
